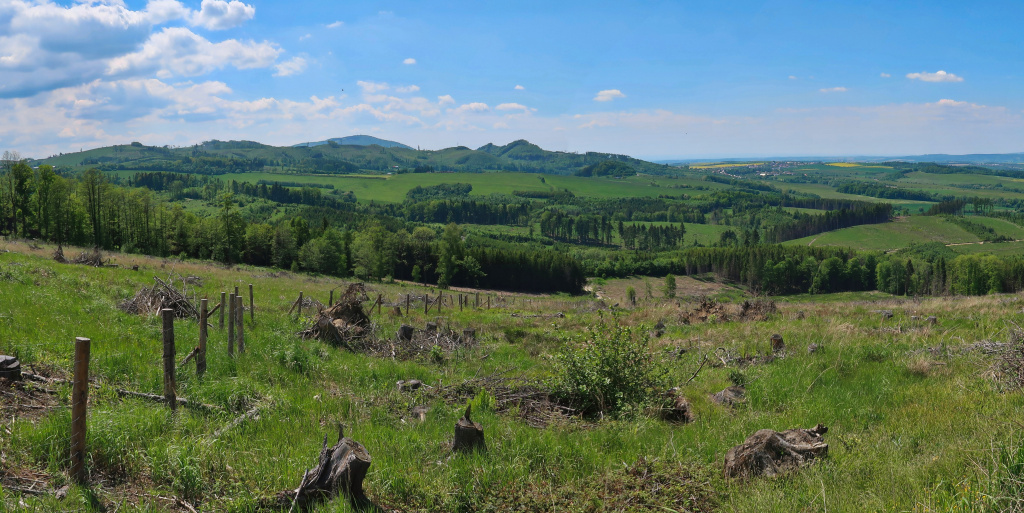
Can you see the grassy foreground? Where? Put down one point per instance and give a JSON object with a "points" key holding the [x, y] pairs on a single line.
{"points": [[918, 420]]}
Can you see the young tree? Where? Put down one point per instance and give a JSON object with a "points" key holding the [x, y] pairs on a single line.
{"points": [[670, 286]]}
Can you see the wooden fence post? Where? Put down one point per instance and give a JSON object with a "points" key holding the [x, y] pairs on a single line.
{"points": [[241, 322], [300, 303], [426, 303], [477, 300], [380, 302], [79, 402], [330, 302], [221, 325], [169, 385], [488, 301], [252, 306], [440, 301], [231, 325], [201, 357], [408, 298]]}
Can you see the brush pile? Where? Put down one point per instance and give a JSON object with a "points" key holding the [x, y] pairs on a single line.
{"points": [[343, 324], [757, 310], [528, 400], [149, 301], [708, 310], [411, 343]]}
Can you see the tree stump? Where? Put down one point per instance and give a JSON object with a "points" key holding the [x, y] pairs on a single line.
{"points": [[730, 396], [10, 368], [341, 471], [469, 436], [408, 385], [768, 453], [932, 320], [678, 410], [778, 345], [468, 335], [405, 332], [431, 328], [887, 314]]}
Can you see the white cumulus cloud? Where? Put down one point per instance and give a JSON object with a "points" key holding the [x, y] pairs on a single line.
{"points": [[178, 50], [369, 87], [410, 60], [445, 100], [221, 15], [938, 76], [475, 107], [519, 87], [407, 89], [608, 95], [513, 106], [293, 66]]}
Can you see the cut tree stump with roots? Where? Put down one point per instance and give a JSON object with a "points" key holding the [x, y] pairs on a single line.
{"points": [[768, 453], [730, 396], [340, 471], [10, 368], [469, 436], [678, 408]]}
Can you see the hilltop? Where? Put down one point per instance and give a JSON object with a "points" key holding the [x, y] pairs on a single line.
{"points": [[355, 140], [346, 155]]}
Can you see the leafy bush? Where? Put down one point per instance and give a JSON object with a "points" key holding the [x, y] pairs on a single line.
{"points": [[608, 369]]}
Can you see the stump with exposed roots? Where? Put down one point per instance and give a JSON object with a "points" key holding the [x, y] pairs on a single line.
{"points": [[769, 453]]}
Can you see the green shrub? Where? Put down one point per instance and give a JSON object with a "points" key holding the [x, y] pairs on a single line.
{"points": [[608, 369]]}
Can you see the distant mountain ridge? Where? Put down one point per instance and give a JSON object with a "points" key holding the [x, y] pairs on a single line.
{"points": [[355, 140], [938, 158]]}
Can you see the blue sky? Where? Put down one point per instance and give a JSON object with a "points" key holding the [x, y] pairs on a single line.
{"points": [[649, 79]]}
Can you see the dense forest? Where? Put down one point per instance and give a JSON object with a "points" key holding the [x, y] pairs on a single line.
{"points": [[434, 235]]}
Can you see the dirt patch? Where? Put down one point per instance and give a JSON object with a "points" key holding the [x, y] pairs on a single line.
{"points": [[26, 400]]}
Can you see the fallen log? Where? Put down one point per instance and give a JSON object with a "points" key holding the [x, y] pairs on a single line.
{"points": [[161, 399]]}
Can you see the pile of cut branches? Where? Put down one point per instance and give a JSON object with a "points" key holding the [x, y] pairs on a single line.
{"points": [[530, 400], [163, 294]]}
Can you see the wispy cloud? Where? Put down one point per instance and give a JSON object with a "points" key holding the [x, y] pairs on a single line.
{"points": [[792, 77], [938, 76], [407, 89], [409, 61], [370, 87], [335, 25], [885, 75], [608, 95], [514, 106], [833, 89], [475, 107], [445, 100], [519, 87]]}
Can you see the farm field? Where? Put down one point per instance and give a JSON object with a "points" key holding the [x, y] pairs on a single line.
{"points": [[893, 235], [882, 391]]}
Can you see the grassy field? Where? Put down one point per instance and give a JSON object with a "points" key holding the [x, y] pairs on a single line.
{"points": [[910, 428], [894, 235]]}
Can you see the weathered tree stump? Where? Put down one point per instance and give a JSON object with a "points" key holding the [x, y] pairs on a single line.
{"points": [[408, 385], [932, 320], [678, 410], [813, 348], [10, 368], [431, 328], [468, 335], [778, 345], [469, 436], [405, 332], [886, 314], [341, 471], [768, 453], [730, 396]]}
